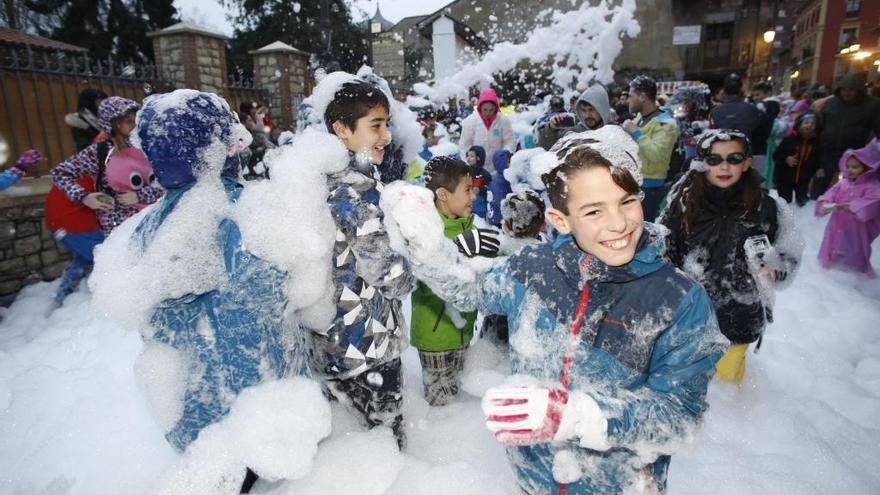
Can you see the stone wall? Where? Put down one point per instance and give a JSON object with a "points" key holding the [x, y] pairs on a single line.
{"points": [[171, 58], [28, 253], [189, 58], [284, 77], [388, 59], [211, 63]]}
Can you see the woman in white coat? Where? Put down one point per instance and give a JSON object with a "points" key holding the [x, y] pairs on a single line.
{"points": [[487, 127]]}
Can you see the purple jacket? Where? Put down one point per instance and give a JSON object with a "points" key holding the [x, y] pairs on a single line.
{"points": [[849, 232]]}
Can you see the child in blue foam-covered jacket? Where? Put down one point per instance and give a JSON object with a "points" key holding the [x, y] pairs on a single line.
{"points": [[612, 348]]}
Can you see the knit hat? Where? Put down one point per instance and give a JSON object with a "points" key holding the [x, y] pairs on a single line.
{"points": [[186, 133], [29, 159], [112, 108]]}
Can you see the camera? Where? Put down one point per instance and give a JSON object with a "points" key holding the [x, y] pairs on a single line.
{"points": [[566, 121]]}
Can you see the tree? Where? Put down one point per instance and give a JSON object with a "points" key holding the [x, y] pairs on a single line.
{"points": [[258, 23], [116, 28]]}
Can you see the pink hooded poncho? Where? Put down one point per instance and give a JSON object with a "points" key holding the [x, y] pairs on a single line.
{"points": [[849, 233]]}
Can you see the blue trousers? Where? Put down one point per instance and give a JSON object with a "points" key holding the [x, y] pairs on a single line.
{"points": [[82, 246]]}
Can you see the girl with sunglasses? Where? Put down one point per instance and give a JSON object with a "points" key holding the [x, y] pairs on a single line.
{"points": [[730, 235]]}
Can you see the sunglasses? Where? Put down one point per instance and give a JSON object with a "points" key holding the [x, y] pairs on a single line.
{"points": [[733, 159]]}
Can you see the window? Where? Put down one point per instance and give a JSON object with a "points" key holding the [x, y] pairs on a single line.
{"points": [[717, 47], [848, 36], [852, 8]]}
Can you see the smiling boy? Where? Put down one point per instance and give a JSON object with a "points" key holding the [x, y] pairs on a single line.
{"points": [[612, 347], [358, 355], [439, 331]]}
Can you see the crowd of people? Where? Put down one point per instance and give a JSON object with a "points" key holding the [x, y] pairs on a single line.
{"points": [[614, 325]]}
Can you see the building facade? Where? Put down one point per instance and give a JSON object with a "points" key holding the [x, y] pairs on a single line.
{"points": [[679, 40], [833, 38]]}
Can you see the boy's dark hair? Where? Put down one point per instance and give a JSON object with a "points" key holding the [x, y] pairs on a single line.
{"points": [[645, 85], [523, 214], [353, 100], [445, 172], [577, 156], [733, 84]]}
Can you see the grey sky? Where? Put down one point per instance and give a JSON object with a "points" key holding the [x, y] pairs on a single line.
{"points": [[210, 14]]}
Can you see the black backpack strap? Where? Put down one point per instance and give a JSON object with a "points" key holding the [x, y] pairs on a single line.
{"points": [[102, 151]]}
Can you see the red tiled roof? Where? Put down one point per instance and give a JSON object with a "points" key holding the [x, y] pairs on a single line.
{"points": [[21, 38]]}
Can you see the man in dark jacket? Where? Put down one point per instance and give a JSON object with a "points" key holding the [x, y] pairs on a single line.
{"points": [[592, 111], [846, 121], [84, 123], [736, 113]]}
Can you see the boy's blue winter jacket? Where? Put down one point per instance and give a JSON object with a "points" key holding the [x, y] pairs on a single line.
{"points": [[499, 188], [235, 334], [370, 279], [648, 347]]}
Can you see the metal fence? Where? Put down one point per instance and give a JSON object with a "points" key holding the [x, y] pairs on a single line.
{"points": [[38, 88], [241, 89]]}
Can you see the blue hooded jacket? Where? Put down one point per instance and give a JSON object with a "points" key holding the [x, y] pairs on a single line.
{"points": [[648, 346], [499, 188], [235, 335], [480, 174]]}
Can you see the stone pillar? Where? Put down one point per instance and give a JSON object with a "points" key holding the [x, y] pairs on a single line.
{"points": [[28, 253], [282, 71], [190, 56]]}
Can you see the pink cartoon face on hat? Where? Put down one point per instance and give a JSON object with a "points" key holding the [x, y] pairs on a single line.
{"points": [[130, 170]]}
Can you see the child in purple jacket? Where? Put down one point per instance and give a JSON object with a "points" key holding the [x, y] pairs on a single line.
{"points": [[854, 204]]}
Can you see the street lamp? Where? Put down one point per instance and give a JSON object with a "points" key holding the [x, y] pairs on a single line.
{"points": [[769, 36]]}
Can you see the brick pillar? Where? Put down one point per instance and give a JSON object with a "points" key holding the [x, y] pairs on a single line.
{"points": [[282, 72], [190, 56]]}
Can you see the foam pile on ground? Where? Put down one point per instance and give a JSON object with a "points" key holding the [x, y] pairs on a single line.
{"points": [[286, 220], [73, 421], [273, 428]]}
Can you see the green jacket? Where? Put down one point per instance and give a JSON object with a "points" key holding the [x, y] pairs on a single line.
{"points": [[656, 140], [432, 329]]}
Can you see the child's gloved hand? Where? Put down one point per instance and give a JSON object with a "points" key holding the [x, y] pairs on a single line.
{"points": [[28, 160], [527, 415], [479, 242]]}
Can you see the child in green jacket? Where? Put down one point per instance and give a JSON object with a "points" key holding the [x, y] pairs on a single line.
{"points": [[440, 332]]}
